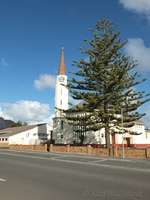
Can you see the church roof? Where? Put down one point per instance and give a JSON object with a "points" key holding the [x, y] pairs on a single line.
{"points": [[7, 132], [62, 68], [15, 130], [77, 105]]}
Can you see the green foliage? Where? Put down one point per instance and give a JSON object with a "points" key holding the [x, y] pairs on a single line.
{"points": [[105, 83], [19, 123]]}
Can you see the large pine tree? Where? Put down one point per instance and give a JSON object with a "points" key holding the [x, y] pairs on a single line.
{"points": [[105, 82]]}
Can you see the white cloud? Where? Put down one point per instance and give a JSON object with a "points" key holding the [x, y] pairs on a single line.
{"points": [[137, 6], [4, 63], [136, 48], [4, 115], [27, 111], [49, 119], [45, 81]]}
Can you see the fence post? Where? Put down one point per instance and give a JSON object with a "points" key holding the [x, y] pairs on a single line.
{"points": [[51, 147], [88, 149], [45, 147]]}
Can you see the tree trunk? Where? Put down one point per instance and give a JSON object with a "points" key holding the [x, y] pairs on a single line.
{"points": [[107, 135]]}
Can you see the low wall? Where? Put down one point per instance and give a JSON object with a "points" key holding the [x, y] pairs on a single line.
{"points": [[99, 151], [59, 148], [131, 153], [117, 152], [29, 147], [2, 144], [148, 153], [68, 148], [75, 149]]}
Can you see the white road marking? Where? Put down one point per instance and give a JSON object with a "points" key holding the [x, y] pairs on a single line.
{"points": [[65, 156], [98, 160], [2, 179]]}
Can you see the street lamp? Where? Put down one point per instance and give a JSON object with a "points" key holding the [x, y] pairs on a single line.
{"points": [[122, 133]]}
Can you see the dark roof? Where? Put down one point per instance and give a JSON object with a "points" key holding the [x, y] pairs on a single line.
{"points": [[84, 102], [15, 130], [79, 105]]}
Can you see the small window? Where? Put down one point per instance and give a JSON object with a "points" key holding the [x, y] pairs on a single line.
{"points": [[62, 124], [2, 139], [146, 135], [6, 139]]}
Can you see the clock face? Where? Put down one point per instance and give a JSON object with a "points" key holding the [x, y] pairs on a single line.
{"points": [[61, 79]]}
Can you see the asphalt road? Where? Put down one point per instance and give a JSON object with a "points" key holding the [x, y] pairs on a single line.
{"points": [[36, 176]]}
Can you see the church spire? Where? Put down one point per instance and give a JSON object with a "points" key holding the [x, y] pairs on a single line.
{"points": [[62, 68]]}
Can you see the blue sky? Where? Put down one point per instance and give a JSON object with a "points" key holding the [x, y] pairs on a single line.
{"points": [[32, 35]]}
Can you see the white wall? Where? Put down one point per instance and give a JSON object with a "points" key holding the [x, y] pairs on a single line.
{"points": [[67, 131], [32, 136], [69, 137], [24, 137]]}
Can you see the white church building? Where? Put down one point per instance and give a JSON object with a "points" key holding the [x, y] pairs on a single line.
{"points": [[63, 132]]}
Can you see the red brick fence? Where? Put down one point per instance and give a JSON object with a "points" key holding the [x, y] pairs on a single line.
{"points": [[117, 152], [3, 144], [29, 147]]}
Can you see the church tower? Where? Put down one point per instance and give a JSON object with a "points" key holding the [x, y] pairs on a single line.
{"points": [[61, 92]]}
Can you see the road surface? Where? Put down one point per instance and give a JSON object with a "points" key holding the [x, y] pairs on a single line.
{"points": [[43, 176]]}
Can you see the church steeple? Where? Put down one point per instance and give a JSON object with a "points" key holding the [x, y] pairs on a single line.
{"points": [[62, 68], [61, 92]]}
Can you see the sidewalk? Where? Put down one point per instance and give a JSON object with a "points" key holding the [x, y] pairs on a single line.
{"points": [[132, 163], [106, 161]]}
